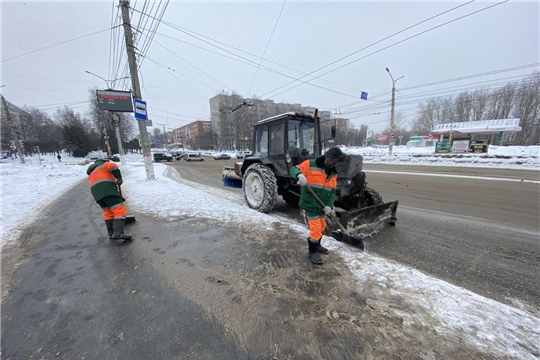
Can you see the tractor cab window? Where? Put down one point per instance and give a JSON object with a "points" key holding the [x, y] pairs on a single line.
{"points": [[301, 137], [277, 132], [261, 146]]}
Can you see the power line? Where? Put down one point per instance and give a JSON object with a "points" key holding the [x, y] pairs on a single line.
{"points": [[189, 77], [53, 45], [373, 44], [242, 51], [166, 68], [262, 66], [181, 58], [492, 72], [266, 48], [392, 45]]}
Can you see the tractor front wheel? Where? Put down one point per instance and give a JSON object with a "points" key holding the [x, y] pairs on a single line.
{"points": [[260, 188]]}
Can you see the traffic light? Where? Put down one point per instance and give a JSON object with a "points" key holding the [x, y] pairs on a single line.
{"points": [[21, 143]]}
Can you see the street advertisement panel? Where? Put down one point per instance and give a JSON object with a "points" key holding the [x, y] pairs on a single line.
{"points": [[479, 147], [443, 147], [381, 138], [460, 146], [112, 100]]}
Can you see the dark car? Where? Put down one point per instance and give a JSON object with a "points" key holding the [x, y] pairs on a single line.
{"points": [[179, 155], [222, 157], [160, 156], [113, 158]]}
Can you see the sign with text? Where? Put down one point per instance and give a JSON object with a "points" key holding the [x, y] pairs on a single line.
{"points": [[460, 146], [111, 100], [478, 147], [140, 110], [382, 138]]}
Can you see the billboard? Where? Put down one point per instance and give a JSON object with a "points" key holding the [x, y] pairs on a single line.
{"points": [[479, 147], [443, 147], [113, 100], [382, 138], [460, 146]]}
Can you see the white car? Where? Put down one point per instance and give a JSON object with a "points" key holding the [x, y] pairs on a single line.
{"points": [[193, 157], [242, 154]]}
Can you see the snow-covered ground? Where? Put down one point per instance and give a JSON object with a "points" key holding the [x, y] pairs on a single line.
{"points": [[500, 330], [520, 157]]}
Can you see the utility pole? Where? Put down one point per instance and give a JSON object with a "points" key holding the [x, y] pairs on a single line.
{"points": [[116, 123], [136, 88], [109, 152], [164, 136], [392, 128], [14, 133]]}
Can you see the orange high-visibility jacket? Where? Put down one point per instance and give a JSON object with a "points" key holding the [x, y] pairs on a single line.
{"points": [[102, 179], [321, 184]]}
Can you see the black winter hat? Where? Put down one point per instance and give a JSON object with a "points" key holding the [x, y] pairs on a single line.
{"points": [[333, 156], [334, 152]]}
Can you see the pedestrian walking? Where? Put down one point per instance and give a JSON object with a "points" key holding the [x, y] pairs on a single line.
{"points": [[104, 177], [321, 176], [59, 158]]}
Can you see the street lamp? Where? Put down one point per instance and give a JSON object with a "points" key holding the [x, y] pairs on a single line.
{"points": [[393, 106], [106, 81]]}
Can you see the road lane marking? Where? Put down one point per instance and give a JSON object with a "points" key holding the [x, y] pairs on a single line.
{"points": [[453, 176]]}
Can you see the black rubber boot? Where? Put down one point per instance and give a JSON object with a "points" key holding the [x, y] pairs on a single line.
{"points": [[314, 255], [118, 226], [109, 224], [321, 249]]}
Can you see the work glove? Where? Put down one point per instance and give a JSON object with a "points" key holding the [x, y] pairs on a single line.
{"points": [[302, 181], [328, 210], [119, 181]]}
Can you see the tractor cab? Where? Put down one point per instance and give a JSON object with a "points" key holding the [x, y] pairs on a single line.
{"points": [[284, 140]]}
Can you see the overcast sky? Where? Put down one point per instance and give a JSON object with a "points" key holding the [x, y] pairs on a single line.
{"points": [[308, 35]]}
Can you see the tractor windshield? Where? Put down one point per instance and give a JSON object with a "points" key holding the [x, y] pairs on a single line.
{"points": [[301, 136]]}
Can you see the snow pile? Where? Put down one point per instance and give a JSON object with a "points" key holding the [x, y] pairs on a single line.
{"points": [[27, 189], [521, 157], [445, 308], [170, 200]]}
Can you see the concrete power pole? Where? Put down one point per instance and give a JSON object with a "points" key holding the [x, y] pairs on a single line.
{"points": [[13, 130], [136, 88], [391, 145]]}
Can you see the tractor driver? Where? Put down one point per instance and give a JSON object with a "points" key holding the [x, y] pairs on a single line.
{"points": [[320, 175], [276, 143]]}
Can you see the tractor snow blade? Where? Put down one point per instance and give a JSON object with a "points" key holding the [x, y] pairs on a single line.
{"points": [[367, 221]]}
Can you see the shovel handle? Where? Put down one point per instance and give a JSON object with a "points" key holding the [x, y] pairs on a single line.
{"points": [[323, 205]]}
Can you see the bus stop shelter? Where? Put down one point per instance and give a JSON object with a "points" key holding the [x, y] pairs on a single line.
{"points": [[466, 129]]}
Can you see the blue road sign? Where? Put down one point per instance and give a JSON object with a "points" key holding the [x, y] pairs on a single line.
{"points": [[363, 95], [140, 110]]}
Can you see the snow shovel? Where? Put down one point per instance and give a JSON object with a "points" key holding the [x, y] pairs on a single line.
{"points": [[340, 235], [129, 218]]}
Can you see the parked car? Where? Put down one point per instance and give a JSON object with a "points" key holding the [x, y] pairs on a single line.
{"points": [[179, 155], [194, 157], [222, 157], [160, 156], [243, 154]]}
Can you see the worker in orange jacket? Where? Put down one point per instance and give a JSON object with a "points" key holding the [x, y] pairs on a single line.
{"points": [[104, 177], [321, 176]]}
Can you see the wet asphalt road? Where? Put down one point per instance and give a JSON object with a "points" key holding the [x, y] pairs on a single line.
{"points": [[77, 295], [478, 234]]}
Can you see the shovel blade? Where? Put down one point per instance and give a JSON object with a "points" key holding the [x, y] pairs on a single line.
{"points": [[367, 221], [350, 239]]}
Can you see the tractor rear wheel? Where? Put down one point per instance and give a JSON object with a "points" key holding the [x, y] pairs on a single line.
{"points": [[372, 197], [260, 188]]}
